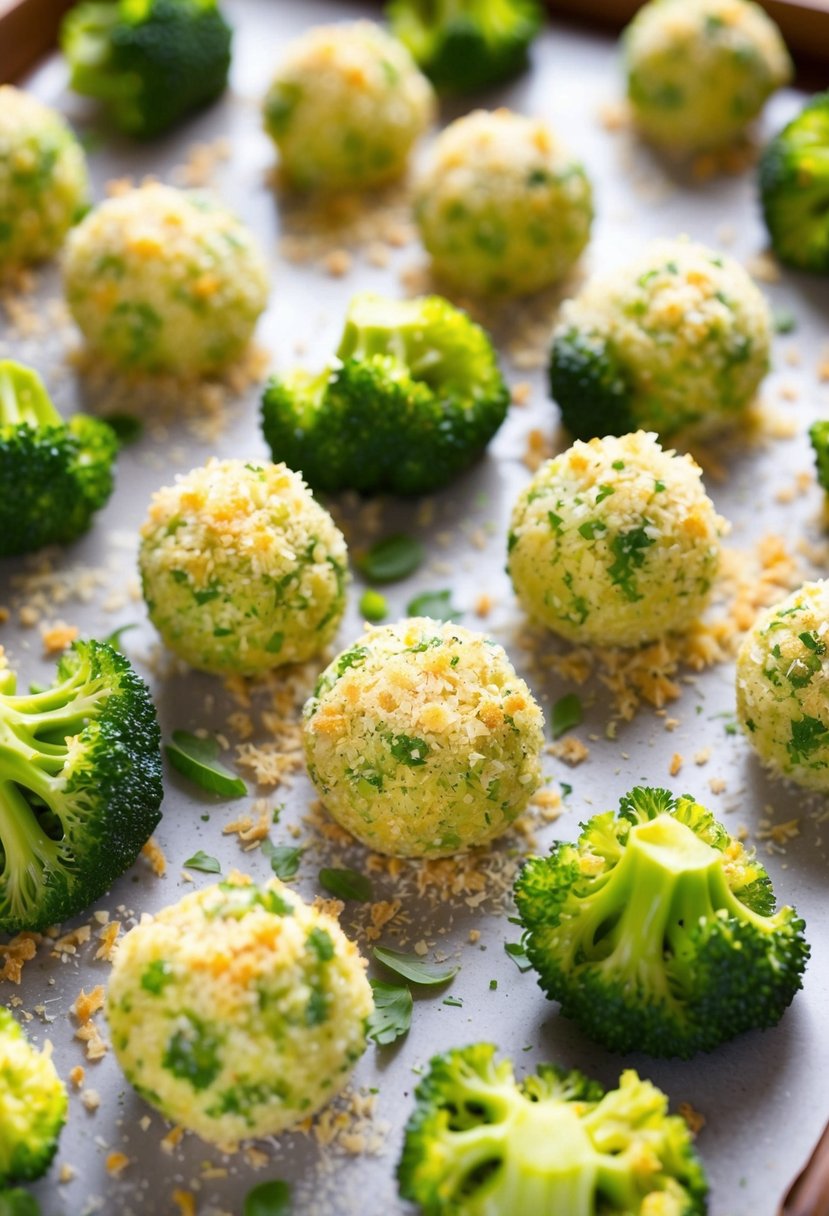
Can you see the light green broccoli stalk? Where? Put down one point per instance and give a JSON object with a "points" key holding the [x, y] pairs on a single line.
{"points": [[479, 1143], [412, 398], [819, 435], [54, 475], [80, 785], [657, 932], [465, 45], [33, 1107], [151, 62], [794, 188]]}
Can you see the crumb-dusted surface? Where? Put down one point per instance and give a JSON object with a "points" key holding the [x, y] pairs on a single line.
{"points": [[422, 740]]}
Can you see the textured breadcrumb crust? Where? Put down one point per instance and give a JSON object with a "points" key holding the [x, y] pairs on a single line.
{"points": [[782, 674], [241, 568], [615, 542], [238, 1011], [422, 740], [689, 330], [165, 280], [44, 187], [346, 106], [502, 206], [699, 71]]}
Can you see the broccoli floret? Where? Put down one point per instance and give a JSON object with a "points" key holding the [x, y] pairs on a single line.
{"points": [[150, 62], [794, 188], [466, 45], [479, 1143], [819, 435], [53, 474], [412, 398], [657, 931], [80, 785], [18, 1202], [32, 1107], [589, 386]]}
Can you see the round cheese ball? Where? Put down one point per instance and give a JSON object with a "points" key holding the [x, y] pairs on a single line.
{"points": [[502, 207], [44, 188], [421, 740], [678, 338], [614, 542], [783, 686], [699, 71], [165, 280], [238, 1011], [241, 568], [346, 106]]}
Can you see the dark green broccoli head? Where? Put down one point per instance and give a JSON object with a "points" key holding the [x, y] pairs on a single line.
{"points": [[479, 1143], [819, 435], [465, 45], [54, 475], [80, 785], [657, 931], [413, 398], [794, 188], [589, 386], [32, 1108], [150, 62]]}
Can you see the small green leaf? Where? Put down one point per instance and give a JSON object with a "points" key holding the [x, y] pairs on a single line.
{"points": [[392, 1013], [567, 713], [114, 639], [435, 604], [391, 559], [127, 427], [373, 606], [412, 968], [346, 884], [274, 643], [195, 758], [785, 321], [268, 1199], [454, 1001], [283, 858], [518, 955], [566, 788], [204, 862]]}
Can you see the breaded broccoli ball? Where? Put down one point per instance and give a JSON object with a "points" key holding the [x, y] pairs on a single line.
{"points": [[241, 569], [165, 280], [238, 1011], [345, 108], [33, 1105], [44, 188], [421, 740], [699, 71], [614, 542], [502, 207], [783, 686], [679, 338]]}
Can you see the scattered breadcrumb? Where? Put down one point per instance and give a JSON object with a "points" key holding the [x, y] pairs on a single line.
{"points": [[571, 750], [185, 1201], [76, 1076], [19, 951], [91, 1100], [116, 1163], [677, 760], [153, 853], [108, 938], [57, 637], [172, 1140], [695, 1120]]}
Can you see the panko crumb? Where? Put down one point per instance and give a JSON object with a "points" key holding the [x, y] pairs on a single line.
{"points": [[571, 750], [185, 1201], [116, 1163], [56, 638], [76, 1076], [91, 1100], [19, 951], [696, 1121], [677, 761], [153, 854]]}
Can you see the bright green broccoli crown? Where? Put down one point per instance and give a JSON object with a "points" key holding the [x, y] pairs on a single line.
{"points": [[819, 435], [465, 45], [414, 396], [479, 1143], [150, 62], [657, 931], [589, 386], [33, 1106], [54, 475], [18, 1202], [794, 188], [80, 785]]}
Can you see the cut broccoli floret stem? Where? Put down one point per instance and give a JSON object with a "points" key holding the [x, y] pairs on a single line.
{"points": [[819, 435], [80, 786], [794, 188]]}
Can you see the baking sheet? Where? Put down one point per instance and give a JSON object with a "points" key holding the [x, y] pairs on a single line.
{"points": [[763, 1096]]}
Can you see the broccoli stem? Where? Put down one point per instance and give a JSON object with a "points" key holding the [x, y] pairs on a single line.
{"points": [[23, 398], [26, 849], [92, 52]]}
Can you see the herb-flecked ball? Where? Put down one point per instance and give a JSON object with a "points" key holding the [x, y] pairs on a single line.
{"points": [[614, 542], [44, 187], [502, 207], [699, 71], [242, 570], [679, 338], [33, 1105], [783, 686], [421, 739], [160, 279], [345, 108], [238, 1011]]}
